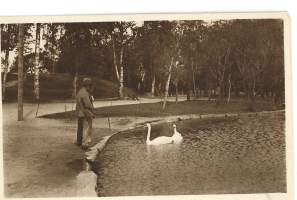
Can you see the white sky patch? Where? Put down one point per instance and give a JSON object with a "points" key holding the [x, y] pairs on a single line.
{"points": [[139, 23]]}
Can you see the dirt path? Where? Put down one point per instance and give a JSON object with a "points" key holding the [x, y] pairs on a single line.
{"points": [[30, 109], [40, 159]]}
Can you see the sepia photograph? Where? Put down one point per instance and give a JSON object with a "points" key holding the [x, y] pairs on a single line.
{"points": [[146, 105]]}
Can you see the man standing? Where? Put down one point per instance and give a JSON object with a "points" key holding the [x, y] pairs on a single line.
{"points": [[85, 112]]}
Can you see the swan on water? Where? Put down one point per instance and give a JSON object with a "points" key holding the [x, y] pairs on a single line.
{"points": [[176, 137], [157, 141]]}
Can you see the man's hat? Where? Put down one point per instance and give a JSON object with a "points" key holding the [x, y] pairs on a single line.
{"points": [[87, 82]]}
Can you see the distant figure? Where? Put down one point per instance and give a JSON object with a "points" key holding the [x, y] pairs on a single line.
{"points": [[85, 112]]}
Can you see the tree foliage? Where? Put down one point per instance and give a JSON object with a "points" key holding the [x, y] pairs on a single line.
{"points": [[220, 57]]}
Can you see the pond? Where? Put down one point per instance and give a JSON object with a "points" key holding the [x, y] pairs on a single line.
{"points": [[229, 155]]}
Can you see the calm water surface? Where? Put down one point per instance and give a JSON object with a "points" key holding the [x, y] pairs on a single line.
{"points": [[235, 155]]}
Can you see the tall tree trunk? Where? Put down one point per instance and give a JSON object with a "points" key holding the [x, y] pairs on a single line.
{"points": [[77, 62], [188, 93], [52, 54], [222, 90], [142, 76], [37, 63], [53, 66], [52, 57], [20, 71], [74, 84], [251, 96], [193, 78], [229, 88], [115, 59], [247, 89], [121, 89], [167, 84], [6, 63], [254, 89], [209, 94], [153, 86], [159, 89], [176, 92]]}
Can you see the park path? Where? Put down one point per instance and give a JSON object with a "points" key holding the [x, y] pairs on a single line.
{"points": [[30, 109]]}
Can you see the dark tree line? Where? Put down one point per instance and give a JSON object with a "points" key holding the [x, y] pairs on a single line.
{"points": [[221, 58]]}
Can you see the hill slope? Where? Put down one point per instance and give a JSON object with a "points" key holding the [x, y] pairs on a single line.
{"points": [[57, 87]]}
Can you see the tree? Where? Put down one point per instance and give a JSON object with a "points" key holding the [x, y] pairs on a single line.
{"points": [[52, 47], [172, 52], [20, 71], [251, 53], [122, 33], [37, 62], [6, 62], [8, 43], [148, 48], [218, 51], [154, 43], [76, 58], [270, 82], [168, 82], [191, 50], [158, 57]]}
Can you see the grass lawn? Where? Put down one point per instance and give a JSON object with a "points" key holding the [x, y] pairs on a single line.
{"points": [[184, 107]]}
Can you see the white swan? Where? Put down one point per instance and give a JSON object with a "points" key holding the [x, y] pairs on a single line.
{"points": [[157, 141], [176, 137]]}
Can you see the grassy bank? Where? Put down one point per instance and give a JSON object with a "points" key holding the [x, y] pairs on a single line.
{"points": [[184, 107], [55, 87]]}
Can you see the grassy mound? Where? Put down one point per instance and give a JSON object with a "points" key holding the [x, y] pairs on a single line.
{"points": [[58, 87]]}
